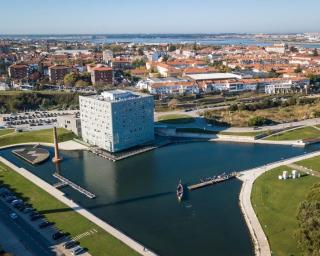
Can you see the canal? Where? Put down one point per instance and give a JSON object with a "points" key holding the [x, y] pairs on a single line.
{"points": [[137, 195]]}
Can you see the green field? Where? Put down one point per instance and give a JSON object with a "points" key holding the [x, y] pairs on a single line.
{"points": [[312, 163], [100, 243], [276, 203], [249, 134], [297, 134], [35, 136], [176, 119], [6, 131]]}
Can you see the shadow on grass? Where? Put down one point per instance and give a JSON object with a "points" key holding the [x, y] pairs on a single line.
{"points": [[125, 201]]}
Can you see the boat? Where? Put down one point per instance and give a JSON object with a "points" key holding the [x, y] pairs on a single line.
{"points": [[180, 191]]}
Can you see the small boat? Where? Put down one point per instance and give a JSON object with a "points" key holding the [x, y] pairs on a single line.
{"points": [[180, 191]]}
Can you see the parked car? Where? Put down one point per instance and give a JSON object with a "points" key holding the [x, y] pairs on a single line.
{"points": [[13, 216], [70, 244], [27, 210], [78, 250], [36, 217], [45, 224], [58, 235]]}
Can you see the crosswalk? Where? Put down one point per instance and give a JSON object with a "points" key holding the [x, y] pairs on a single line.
{"points": [[85, 234]]}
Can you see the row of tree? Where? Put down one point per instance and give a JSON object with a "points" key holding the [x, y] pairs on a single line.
{"points": [[308, 233]]}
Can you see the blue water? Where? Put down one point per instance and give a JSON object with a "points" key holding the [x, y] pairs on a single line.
{"points": [[137, 195]]}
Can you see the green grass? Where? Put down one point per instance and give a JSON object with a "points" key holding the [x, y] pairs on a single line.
{"points": [[176, 119], [312, 163], [297, 134], [36, 136], [6, 131], [249, 134], [276, 203], [100, 243]]}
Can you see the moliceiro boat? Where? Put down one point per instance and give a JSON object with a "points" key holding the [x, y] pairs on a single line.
{"points": [[180, 191]]}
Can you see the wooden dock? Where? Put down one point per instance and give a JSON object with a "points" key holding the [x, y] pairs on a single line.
{"points": [[218, 179], [66, 182]]}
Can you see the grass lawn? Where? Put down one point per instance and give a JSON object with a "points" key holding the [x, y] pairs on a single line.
{"points": [[312, 163], [276, 203], [250, 134], [297, 134], [176, 119], [100, 243], [5, 131], [35, 136]]}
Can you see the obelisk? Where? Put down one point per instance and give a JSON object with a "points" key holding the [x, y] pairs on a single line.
{"points": [[56, 157]]}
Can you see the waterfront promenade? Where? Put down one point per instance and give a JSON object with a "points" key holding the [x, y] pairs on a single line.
{"points": [[248, 177], [77, 208]]}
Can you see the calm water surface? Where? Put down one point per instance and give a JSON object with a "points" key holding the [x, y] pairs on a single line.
{"points": [[137, 195]]}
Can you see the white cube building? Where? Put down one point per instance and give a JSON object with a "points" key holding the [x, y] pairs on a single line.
{"points": [[117, 120]]}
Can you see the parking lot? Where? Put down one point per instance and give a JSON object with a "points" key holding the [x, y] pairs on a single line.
{"points": [[32, 120], [37, 235]]}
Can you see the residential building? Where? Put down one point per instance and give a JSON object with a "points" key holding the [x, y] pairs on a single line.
{"points": [[102, 75], [18, 71], [117, 120], [57, 72], [107, 56]]}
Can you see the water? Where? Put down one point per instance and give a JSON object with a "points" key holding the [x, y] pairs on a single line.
{"points": [[137, 195], [204, 39]]}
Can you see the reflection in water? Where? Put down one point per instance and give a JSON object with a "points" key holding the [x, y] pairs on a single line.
{"points": [[137, 195]]}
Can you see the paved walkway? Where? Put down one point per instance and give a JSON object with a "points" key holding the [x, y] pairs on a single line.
{"points": [[248, 177], [67, 145], [304, 169], [61, 197]]}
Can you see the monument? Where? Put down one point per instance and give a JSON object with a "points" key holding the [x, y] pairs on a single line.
{"points": [[56, 158]]}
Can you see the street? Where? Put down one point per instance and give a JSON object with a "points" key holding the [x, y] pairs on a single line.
{"points": [[28, 241]]}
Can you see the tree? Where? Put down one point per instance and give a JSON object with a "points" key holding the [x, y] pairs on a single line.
{"points": [[70, 79], [298, 69], [258, 121], [315, 52], [308, 217], [81, 83], [293, 49], [172, 48], [140, 52]]}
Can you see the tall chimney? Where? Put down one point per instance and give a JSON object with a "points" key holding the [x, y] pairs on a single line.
{"points": [[56, 157]]}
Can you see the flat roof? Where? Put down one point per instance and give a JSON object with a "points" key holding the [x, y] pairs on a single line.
{"points": [[117, 95], [214, 76]]}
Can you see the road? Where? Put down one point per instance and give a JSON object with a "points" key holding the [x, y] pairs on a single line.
{"points": [[28, 241]]}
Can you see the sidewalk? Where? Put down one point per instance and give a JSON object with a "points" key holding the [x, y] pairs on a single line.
{"points": [[77, 208]]}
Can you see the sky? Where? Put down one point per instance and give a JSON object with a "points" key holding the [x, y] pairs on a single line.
{"points": [[162, 16]]}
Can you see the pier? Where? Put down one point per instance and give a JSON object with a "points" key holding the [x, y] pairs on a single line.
{"points": [[64, 182], [212, 181]]}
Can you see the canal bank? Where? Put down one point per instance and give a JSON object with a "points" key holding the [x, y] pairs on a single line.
{"points": [[142, 250], [134, 195], [248, 177]]}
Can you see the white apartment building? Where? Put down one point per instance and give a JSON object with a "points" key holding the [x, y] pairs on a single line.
{"points": [[117, 120], [107, 56]]}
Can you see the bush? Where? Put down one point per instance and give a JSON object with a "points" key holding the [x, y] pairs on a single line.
{"points": [[259, 121]]}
